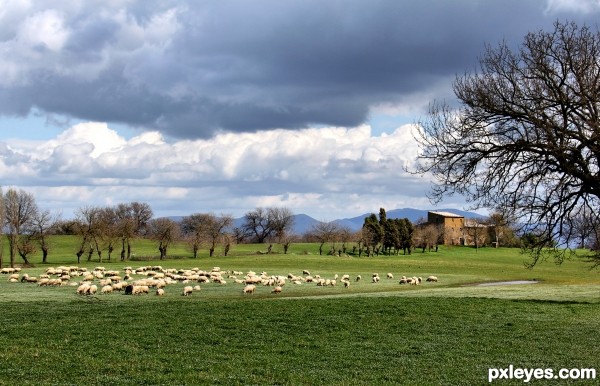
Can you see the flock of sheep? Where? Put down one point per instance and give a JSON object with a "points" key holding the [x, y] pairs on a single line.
{"points": [[143, 280]]}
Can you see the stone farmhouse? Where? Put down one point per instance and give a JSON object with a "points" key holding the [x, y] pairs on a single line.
{"points": [[457, 230]]}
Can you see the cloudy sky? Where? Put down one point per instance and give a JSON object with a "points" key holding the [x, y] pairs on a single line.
{"points": [[224, 106]]}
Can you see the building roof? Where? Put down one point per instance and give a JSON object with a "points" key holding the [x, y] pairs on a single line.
{"points": [[447, 214]]}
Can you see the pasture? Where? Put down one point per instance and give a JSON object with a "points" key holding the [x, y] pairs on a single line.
{"points": [[449, 332]]}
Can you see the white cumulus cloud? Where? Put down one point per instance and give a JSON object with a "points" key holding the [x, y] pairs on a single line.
{"points": [[323, 172]]}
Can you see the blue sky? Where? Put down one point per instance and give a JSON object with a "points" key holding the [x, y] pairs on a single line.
{"points": [[207, 106]]}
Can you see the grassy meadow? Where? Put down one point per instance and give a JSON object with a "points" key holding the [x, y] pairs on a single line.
{"points": [[445, 333]]}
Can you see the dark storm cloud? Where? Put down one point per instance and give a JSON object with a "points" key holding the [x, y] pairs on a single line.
{"points": [[192, 70]]}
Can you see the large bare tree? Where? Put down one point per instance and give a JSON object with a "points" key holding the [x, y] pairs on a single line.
{"points": [[20, 209], [88, 227], [206, 227], [526, 136], [262, 223], [42, 224], [164, 231]]}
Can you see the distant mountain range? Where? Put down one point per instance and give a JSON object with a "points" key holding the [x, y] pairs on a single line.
{"points": [[303, 223]]}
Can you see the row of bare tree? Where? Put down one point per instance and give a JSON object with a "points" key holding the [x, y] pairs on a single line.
{"points": [[103, 230]]}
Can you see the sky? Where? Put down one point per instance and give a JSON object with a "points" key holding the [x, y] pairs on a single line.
{"points": [[225, 106]]}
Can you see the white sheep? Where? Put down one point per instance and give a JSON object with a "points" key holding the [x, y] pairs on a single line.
{"points": [[187, 290], [160, 291], [83, 288], [358, 278], [107, 289], [306, 272], [92, 290], [432, 278], [390, 275], [277, 290], [140, 289], [249, 289]]}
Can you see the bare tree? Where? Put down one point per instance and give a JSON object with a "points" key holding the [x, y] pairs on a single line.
{"points": [[257, 226], [109, 230], [165, 231], [584, 226], [42, 223], [132, 221], [206, 227], [216, 229], [262, 223], [282, 221], [192, 227], [500, 227], [20, 210], [324, 232], [476, 232], [527, 134], [88, 228], [142, 214]]}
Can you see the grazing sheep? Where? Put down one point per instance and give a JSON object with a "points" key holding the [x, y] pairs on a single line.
{"points": [[375, 279], [390, 275], [197, 288], [277, 290], [249, 289], [253, 280], [358, 278], [345, 277], [187, 290], [403, 280], [107, 289], [13, 276], [140, 289], [82, 289], [308, 279], [346, 283], [92, 290], [29, 279], [432, 278], [160, 291], [306, 272]]}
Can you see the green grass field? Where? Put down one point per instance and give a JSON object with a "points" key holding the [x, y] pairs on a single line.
{"points": [[445, 333]]}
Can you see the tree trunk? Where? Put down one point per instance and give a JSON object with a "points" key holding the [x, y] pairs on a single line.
{"points": [[44, 254], [123, 249], [24, 257]]}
